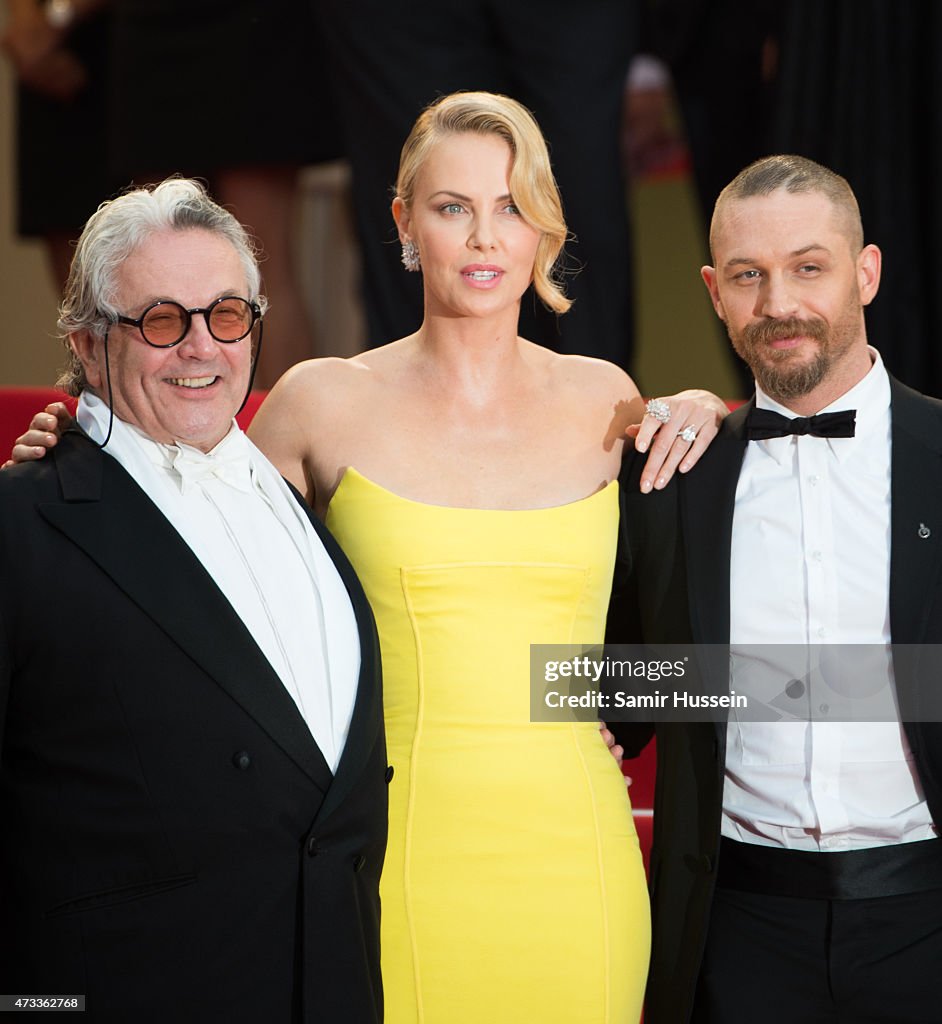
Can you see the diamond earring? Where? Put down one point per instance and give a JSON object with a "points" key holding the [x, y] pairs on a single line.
{"points": [[410, 255]]}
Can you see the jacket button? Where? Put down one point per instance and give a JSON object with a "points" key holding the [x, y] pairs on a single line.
{"points": [[705, 863], [360, 863], [313, 847], [241, 759], [390, 772]]}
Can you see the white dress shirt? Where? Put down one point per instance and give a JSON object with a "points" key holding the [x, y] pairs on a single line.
{"points": [[811, 566], [239, 518]]}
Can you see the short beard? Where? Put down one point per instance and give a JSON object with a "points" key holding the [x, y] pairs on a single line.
{"points": [[774, 370]]}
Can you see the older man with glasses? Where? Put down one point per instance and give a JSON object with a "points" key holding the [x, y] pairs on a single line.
{"points": [[193, 778]]}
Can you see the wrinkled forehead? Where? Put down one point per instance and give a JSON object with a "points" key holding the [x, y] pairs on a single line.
{"points": [[782, 220], [191, 267]]}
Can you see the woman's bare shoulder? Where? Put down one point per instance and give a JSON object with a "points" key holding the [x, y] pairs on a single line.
{"points": [[591, 380], [318, 376], [316, 390], [299, 407]]}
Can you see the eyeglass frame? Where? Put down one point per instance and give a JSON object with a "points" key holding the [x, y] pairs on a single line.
{"points": [[257, 316]]}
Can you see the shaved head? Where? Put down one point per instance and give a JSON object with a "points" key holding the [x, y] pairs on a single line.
{"points": [[794, 174]]}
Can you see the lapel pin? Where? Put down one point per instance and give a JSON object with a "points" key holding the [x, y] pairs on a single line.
{"points": [[924, 531]]}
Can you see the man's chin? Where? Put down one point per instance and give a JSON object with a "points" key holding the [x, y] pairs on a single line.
{"points": [[787, 383]]}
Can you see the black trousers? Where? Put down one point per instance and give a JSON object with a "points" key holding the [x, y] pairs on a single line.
{"points": [[567, 64], [786, 960]]}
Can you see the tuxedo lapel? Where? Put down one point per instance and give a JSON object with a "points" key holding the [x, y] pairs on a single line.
{"points": [[107, 515], [916, 531], [707, 502], [367, 719]]}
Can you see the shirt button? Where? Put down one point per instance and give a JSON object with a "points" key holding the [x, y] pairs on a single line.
{"points": [[822, 631], [795, 689], [241, 760], [817, 556], [824, 709], [813, 479]]}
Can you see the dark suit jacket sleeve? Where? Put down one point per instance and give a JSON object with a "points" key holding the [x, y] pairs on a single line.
{"points": [[623, 625]]}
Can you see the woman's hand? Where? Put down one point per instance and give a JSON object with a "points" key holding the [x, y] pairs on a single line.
{"points": [[615, 749], [45, 429], [678, 430]]}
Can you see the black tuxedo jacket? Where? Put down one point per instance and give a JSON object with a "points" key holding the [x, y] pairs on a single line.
{"points": [[672, 586], [173, 843]]}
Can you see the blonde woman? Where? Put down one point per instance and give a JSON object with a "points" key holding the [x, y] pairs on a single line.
{"points": [[470, 477]]}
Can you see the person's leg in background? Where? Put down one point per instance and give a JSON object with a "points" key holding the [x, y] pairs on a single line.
{"points": [[569, 66], [266, 199]]}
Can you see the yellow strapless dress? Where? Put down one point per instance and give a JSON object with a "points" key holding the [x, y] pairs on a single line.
{"points": [[513, 889]]}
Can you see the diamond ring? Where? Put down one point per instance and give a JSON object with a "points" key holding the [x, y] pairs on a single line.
{"points": [[689, 434], [659, 409]]}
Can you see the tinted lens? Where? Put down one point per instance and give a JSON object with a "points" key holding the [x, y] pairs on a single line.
{"points": [[230, 319], [164, 323]]}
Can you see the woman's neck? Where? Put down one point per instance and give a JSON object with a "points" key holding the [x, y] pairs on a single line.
{"points": [[469, 354]]}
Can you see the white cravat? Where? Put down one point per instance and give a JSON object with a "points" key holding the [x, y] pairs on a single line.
{"points": [[811, 565], [229, 462], [237, 515]]}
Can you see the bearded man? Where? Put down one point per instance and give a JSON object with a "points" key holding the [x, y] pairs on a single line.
{"points": [[796, 870]]}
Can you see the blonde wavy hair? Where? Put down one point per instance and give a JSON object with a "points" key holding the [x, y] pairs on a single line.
{"points": [[532, 184]]}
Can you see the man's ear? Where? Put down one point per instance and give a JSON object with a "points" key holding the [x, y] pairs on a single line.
{"points": [[709, 279], [88, 349], [869, 266]]}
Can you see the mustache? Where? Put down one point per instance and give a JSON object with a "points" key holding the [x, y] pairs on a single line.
{"points": [[774, 330]]}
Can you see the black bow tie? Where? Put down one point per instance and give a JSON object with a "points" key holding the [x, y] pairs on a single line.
{"points": [[764, 423]]}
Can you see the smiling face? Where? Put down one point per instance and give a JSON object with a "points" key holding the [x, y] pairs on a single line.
{"points": [[477, 252], [190, 392], [791, 292]]}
